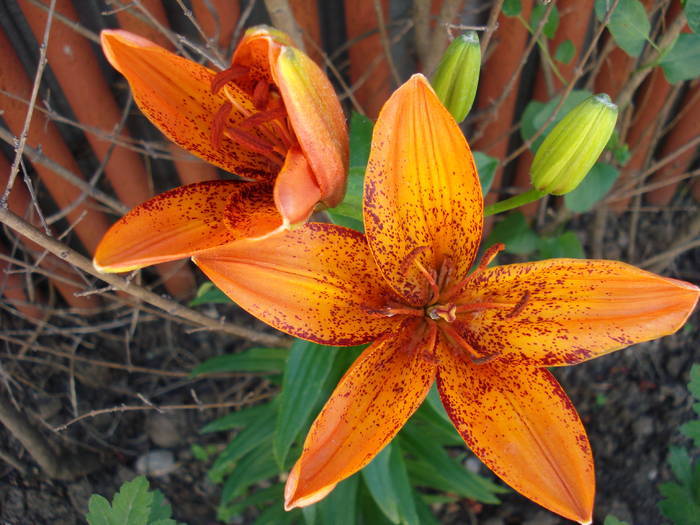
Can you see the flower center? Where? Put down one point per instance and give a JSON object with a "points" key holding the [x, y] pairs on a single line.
{"points": [[448, 304], [264, 128]]}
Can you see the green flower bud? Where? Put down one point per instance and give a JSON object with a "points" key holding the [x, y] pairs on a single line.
{"points": [[457, 75], [569, 151]]}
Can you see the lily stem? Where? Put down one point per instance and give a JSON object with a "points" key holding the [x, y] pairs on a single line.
{"points": [[514, 202]]}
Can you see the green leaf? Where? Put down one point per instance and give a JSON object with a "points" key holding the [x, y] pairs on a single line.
{"points": [[515, 233], [486, 168], [340, 506], [252, 436], [349, 212], [680, 463], [360, 140], [612, 520], [694, 384], [691, 429], [134, 504], [565, 52], [432, 467], [536, 114], [255, 466], [402, 486], [679, 505], [276, 515], [593, 188], [425, 515], [565, 245], [251, 360], [512, 7], [378, 478], [274, 493], [692, 13], [208, 293], [629, 24], [239, 419], [550, 26], [308, 366], [682, 62]]}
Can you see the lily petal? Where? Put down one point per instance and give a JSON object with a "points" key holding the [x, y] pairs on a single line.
{"points": [[422, 200], [571, 310], [317, 119], [296, 191], [371, 403], [175, 94], [317, 282], [186, 221], [522, 425]]}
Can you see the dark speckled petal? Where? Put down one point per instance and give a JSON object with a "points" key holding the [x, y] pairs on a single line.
{"points": [[422, 198], [318, 282], [369, 406], [185, 221], [521, 424], [575, 310]]}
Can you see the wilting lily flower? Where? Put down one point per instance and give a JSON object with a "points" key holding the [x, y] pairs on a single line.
{"points": [[487, 337], [272, 118]]}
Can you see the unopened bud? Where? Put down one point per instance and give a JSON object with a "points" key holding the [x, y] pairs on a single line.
{"points": [[569, 151], [457, 75]]}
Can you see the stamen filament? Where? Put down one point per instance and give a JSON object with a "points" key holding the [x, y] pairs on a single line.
{"points": [[486, 259], [255, 144], [458, 343], [478, 307], [227, 75]]}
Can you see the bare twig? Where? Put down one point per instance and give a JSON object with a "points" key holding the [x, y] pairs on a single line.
{"points": [[172, 307], [163, 408], [386, 44], [440, 35], [491, 26], [283, 18], [19, 149]]}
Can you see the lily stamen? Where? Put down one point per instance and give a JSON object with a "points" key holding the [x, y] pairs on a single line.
{"points": [[255, 144], [489, 255], [458, 343], [520, 306], [227, 75], [479, 307]]}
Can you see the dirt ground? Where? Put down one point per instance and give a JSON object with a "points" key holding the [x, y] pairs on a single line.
{"points": [[632, 403]]}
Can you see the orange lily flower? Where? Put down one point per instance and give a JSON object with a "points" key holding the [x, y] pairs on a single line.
{"points": [[272, 118], [486, 337]]}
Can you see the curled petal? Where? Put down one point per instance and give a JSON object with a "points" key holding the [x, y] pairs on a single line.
{"points": [[564, 311], [175, 94], [422, 200], [317, 282], [317, 119], [371, 403], [522, 425], [186, 221], [296, 191]]}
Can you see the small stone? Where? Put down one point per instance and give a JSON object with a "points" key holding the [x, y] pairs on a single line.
{"points": [[156, 463], [643, 426], [162, 429]]}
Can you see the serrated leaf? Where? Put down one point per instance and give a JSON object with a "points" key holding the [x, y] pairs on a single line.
{"points": [[307, 367], [207, 293], [512, 7], [692, 13], [255, 466], [134, 504], [691, 429], [486, 167], [629, 24], [99, 510], [565, 52], [679, 505], [680, 463], [566, 245], [682, 62], [593, 188], [251, 360], [550, 26], [515, 233]]}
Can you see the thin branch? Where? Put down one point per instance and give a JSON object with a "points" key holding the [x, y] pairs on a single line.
{"points": [[386, 44], [32, 102], [172, 307]]}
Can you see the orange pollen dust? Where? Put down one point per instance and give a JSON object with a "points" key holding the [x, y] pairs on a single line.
{"points": [[264, 130], [447, 302]]}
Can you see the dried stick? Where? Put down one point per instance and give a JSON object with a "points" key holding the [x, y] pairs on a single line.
{"points": [[57, 465], [421, 28], [163, 408], [30, 111], [440, 34], [71, 256], [283, 18], [386, 44], [491, 26]]}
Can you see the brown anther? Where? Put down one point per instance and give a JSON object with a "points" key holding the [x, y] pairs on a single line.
{"points": [[262, 117], [227, 75], [261, 94], [410, 258], [518, 308], [255, 144], [219, 123]]}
